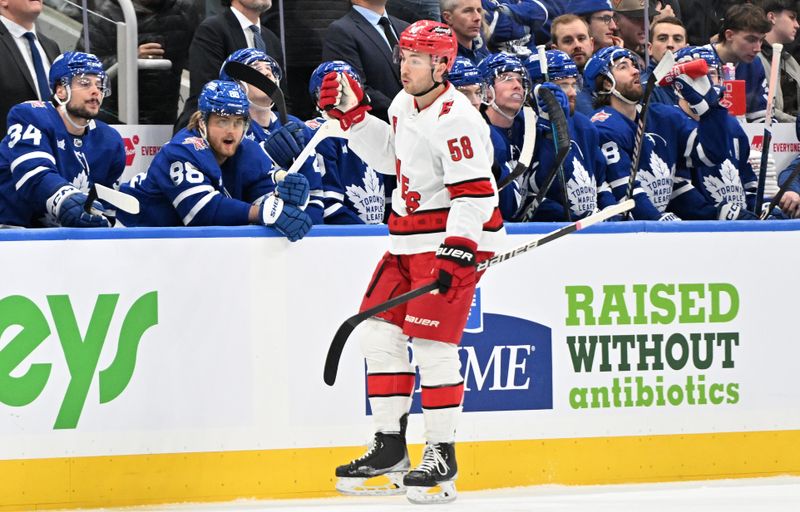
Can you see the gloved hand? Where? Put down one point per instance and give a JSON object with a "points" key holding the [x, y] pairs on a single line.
{"points": [[293, 188], [731, 211], [668, 216], [541, 106], [455, 265], [290, 220], [284, 144], [341, 97], [697, 92], [68, 205]]}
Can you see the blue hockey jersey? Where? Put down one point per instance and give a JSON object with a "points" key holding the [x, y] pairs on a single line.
{"points": [[669, 137], [259, 134], [38, 156], [731, 182], [184, 185], [507, 144], [353, 192]]}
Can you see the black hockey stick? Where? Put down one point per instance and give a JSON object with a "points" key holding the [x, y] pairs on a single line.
{"points": [[526, 154], [245, 73], [561, 136], [777, 199], [664, 67], [344, 331], [777, 48]]}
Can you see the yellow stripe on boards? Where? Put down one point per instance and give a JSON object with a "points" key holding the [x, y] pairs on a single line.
{"points": [[115, 481]]}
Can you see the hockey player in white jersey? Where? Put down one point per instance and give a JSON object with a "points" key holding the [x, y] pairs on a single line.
{"points": [[444, 220]]}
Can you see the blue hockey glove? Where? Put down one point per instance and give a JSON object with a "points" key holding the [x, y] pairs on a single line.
{"points": [[698, 92], [541, 106], [68, 205], [290, 220], [730, 211], [285, 144], [294, 189]]}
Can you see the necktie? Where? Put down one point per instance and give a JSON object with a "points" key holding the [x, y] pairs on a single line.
{"points": [[41, 76], [258, 41], [387, 30]]}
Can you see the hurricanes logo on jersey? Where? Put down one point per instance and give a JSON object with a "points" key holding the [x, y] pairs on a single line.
{"points": [[727, 188], [369, 200], [581, 190]]}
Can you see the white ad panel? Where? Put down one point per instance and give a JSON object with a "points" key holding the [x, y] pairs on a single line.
{"points": [[204, 344], [142, 142]]}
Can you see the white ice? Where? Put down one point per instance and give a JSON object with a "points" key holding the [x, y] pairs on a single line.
{"points": [[777, 494]]}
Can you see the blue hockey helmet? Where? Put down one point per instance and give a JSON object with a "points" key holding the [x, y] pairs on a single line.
{"points": [[248, 57], [559, 65], [331, 66], [688, 53], [498, 63], [464, 73], [224, 98], [601, 63], [71, 64]]}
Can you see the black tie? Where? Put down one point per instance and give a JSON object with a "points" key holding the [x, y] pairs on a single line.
{"points": [[38, 67], [258, 41], [387, 30]]}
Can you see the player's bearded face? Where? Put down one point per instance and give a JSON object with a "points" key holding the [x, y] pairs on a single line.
{"points": [[570, 88], [225, 134], [87, 96], [629, 84]]}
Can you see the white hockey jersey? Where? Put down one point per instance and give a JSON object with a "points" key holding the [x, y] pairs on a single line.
{"points": [[443, 160]]}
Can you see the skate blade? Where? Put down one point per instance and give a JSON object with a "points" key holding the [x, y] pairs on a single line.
{"points": [[445, 492], [375, 486]]}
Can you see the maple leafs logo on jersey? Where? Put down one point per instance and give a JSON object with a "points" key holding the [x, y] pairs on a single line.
{"points": [[81, 182], [369, 200], [727, 188], [657, 181], [581, 190]]}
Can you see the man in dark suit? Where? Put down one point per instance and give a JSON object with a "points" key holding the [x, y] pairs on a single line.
{"points": [[21, 81], [365, 38], [238, 26]]}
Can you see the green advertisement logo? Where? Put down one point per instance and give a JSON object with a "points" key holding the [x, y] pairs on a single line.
{"points": [[81, 352], [661, 356]]}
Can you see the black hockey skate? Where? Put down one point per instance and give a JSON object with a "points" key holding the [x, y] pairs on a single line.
{"points": [[437, 469], [387, 456]]}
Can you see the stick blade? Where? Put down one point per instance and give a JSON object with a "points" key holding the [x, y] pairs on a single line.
{"points": [[335, 350], [664, 66], [117, 199]]}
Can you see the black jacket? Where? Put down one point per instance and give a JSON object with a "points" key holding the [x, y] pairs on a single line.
{"points": [[216, 38], [352, 39], [172, 24], [17, 84]]}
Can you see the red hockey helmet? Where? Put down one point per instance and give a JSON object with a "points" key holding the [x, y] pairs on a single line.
{"points": [[431, 37]]}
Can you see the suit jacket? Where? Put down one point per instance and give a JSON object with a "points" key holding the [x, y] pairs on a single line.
{"points": [[17, 84], [216, 38], [352, 39]]}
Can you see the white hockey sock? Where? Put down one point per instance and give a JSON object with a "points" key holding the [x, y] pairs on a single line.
{"points": [[442, 388]]}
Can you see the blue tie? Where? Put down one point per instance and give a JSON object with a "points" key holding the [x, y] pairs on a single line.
{"points": [[258, 41], [41, 76]]}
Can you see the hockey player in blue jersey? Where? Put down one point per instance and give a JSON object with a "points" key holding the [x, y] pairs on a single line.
{"points": [[353, 192], [281, 143], [730, 187], [584, 167], [670, 136], [55, 151], [507, 87], [209, 174], [466, 77]]}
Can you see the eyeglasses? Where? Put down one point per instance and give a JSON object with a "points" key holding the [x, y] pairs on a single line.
{"points": [[607, 19], [568, 87]]}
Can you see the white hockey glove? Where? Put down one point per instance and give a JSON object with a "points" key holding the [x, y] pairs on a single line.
{"points": [[668, 216], [697, 92]]}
